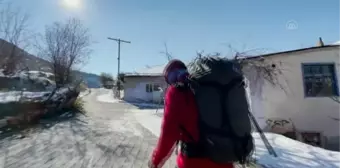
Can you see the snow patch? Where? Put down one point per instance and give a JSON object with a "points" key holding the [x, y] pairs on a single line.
{"points": [[149, 119], [123, 126], [28, 79], [13, 96], [27, 96], [84, 93], [293, 153], [108, 98]]}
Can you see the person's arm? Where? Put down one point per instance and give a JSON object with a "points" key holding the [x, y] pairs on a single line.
{"points": [[169, 130]]}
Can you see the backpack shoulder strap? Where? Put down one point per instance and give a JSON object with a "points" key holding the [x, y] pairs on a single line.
{"points": [[184, 131]]}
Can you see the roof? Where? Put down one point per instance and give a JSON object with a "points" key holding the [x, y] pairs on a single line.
{"points": [[148, 71], [158, 70], [335, 45]]}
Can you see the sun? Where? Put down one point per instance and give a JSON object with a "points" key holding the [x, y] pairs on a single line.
{"points": [[72, 3]]}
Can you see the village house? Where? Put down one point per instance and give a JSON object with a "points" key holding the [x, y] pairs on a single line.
{"points": [[145, 85], [305, 106]]}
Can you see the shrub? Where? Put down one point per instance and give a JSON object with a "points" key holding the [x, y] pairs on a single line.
{"points": [[82, 87], [78, 106], [4, 89]]}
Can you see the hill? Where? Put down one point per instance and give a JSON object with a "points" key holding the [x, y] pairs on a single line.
{"points": [[92, 80], [34, 63]]}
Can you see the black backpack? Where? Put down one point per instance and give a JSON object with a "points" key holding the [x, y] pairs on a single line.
{"points": [[224, 125]]}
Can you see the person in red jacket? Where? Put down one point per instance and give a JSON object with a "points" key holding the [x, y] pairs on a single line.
{"points": [[180, 111]]}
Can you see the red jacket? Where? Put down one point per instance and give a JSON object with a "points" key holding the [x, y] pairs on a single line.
{"points": [[180, 109]]}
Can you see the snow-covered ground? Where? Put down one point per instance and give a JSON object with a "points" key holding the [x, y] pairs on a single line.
{"points": [[108, 98], [291, 153], [84, 93]]}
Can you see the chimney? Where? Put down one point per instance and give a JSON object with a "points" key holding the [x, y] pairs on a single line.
{"points": [[320, 42]]}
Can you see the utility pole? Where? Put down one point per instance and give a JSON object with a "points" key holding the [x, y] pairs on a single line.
{"points": [[119, 41]]}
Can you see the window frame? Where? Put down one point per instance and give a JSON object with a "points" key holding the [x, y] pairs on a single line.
{"points": [[149, 87], [334, 78]]}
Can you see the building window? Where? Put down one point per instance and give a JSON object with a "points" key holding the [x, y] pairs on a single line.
{"points": [[152, 88], [319, 80], [148, 88]]}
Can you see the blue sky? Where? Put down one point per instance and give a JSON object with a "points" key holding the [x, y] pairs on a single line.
{"points": [[188, 26]]}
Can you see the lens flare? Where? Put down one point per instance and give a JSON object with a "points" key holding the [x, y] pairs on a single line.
{"points": [[72, 3]]}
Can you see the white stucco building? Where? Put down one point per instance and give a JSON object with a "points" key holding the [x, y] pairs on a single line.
{"points": [[303, 103], [306, 102], [145, 85]]}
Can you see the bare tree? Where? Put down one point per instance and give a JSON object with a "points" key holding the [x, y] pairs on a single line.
{"points": [[65, 46], [106, 79], [262, 68], [14, 37], [168, 55]]}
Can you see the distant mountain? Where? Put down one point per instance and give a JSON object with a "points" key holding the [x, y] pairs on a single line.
{"points": [[92, 80], [35, 63]]}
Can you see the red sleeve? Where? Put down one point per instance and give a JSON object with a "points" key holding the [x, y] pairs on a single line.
{"points": [[169, 130]]}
